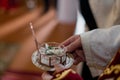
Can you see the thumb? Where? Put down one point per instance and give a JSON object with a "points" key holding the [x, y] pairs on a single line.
{"points": [[59, 67]]}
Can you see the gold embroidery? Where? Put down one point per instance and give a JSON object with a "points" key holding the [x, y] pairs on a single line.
{"points": [[57, 75], [63, 74], [115, 69]]}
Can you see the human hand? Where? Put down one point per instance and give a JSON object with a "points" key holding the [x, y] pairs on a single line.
{"points": [[46, 76], [74, 46], [58, 68]]}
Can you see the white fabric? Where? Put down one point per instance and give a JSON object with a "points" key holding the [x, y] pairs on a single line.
{"points": [[106, 12], [100, 46], [80, 24]]}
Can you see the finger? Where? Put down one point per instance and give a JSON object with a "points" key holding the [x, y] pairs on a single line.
{"points": [[59, 67], [80, 54], [77, 61], [74, 45], [46, 76], [70, 40], [74, 55]]}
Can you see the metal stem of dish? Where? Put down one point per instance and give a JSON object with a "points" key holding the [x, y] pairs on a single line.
{"points": [[35, 39]]}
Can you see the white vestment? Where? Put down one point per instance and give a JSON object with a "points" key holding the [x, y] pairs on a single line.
{"points": [[100, 46]]}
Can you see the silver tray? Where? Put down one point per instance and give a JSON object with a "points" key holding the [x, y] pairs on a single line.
{"points": [[69, 62]]}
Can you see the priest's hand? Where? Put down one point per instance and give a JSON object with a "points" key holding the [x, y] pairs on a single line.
{"points": [[74, 46]]}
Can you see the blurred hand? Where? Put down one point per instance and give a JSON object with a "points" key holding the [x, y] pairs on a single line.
{"points": [[46, 76], [58, 68], [74, 46]]}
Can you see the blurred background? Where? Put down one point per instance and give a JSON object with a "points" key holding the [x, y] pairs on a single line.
{"points": [[53, 20]]}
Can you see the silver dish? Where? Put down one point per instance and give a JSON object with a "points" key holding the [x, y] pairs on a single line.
{"points": [[69, 62]]}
